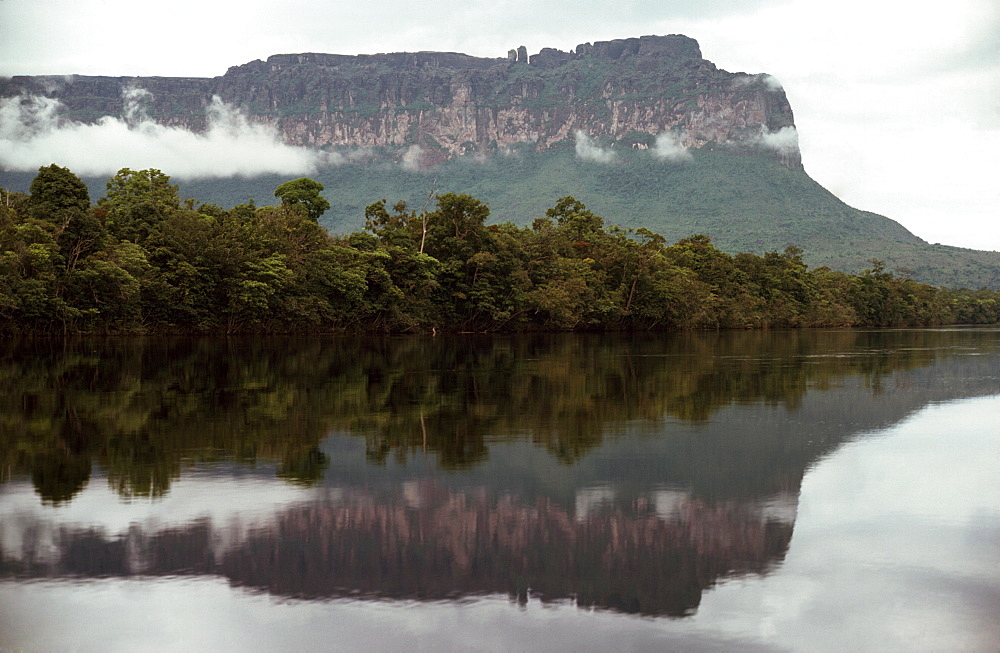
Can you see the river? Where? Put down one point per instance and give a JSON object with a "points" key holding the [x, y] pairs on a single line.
{"points": [[776, 491]]}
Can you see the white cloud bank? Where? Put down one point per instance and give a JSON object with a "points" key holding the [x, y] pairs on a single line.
{"points": [[783, 141], [413, 158], [771, 82], [588, 150], [668, 148], [32, 135]]}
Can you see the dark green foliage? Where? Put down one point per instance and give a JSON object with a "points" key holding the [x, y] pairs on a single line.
{"points": [[745, 202], [60, 199], [305, 192], [57, 195], [159, 266], [136, 203]]}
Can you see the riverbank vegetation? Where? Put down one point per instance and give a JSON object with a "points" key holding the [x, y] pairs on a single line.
{"points": [[143, 261]]}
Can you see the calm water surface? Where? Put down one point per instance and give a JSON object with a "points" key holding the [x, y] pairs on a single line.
{"points": [[806, 490]]}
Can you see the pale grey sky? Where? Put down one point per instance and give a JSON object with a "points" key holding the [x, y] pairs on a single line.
{"points": [[897, 102]]}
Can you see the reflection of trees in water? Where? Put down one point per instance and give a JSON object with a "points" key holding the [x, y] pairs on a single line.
{"points": [[143, 409], [432, 544]]}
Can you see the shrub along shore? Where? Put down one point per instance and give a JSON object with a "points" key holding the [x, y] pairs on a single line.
{"points": [[143, 261]]}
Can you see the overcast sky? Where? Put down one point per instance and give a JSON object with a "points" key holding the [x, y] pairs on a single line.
{"points": [[897, 102]]}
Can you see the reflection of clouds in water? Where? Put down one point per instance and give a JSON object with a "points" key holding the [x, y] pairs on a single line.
{"points": [[893, 546], [232, 503], [428, 542], [892, 537], [590, 499], [782, 507], [219, 617], [669, 503]]}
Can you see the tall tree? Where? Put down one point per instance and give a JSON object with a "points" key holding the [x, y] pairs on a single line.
{"points": [[59, 199], [57, 195], [137, 201], [305, 192]]}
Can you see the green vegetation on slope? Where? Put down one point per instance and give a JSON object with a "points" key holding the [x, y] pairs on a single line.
{"points": [[141, 261], [745, 202]]}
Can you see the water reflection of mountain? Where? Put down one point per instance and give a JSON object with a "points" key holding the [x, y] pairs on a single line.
{"points": [[626, 473], [428, 543]]}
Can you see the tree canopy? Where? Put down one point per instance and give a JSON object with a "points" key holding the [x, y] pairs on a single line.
{"points": [[305, 192], [57, 195], [142, 261]]}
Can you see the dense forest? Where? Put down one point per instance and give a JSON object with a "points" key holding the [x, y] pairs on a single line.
{"points": [[144, 261]]}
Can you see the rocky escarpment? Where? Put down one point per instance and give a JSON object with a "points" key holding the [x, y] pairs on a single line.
{"points": [[622, 93]]}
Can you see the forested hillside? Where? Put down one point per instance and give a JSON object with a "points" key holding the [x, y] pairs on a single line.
{"points": [[745, 202], [143, 261]]}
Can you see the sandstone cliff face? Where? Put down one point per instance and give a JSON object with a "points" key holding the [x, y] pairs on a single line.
{"points": [[622, 93]]}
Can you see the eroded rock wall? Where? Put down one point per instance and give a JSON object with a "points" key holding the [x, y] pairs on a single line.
{"points": [[621, 93]]}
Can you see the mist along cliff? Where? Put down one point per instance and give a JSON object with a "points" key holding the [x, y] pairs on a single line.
{"points": [[644, 131], [453, 104]]}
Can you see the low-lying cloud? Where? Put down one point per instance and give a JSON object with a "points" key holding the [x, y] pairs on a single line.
{"points": [[783, 141], [772, 82], [668, 148], [588, 150], [32, 134], [413, 158]]}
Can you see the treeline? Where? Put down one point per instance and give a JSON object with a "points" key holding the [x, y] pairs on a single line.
{"points": [[143, 261]]}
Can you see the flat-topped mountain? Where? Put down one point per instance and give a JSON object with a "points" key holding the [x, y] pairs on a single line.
{"points": [[644, 131], [626, 91]]}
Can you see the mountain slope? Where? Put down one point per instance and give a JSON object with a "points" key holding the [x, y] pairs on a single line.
{"points": [[744, 202]]}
